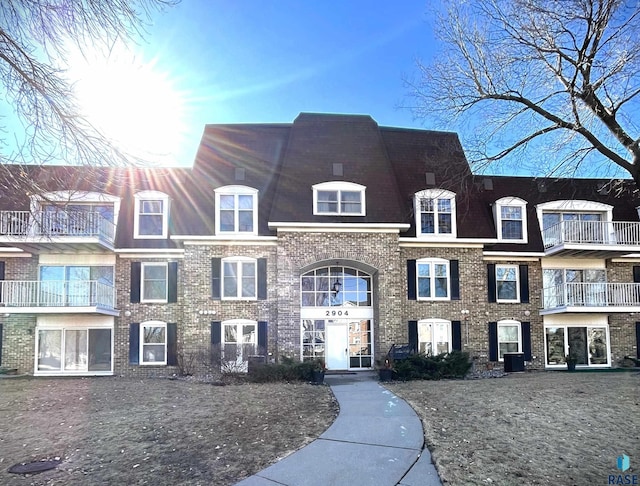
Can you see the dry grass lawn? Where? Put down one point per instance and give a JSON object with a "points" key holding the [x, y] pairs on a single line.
{"points": [[551, 428], [122, 431], [547, 428]]}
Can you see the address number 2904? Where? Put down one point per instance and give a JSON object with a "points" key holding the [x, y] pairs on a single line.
{"points": [[333, 313]]}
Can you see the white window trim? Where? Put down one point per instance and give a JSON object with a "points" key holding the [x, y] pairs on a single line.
{"points": [[151, 196], [142, 280], [142, 361], [497, 215], [432, 322], [432, 278], [435, 194], [238, 261], [236, 190], [508, 323], [517, 273], [339, 186]]}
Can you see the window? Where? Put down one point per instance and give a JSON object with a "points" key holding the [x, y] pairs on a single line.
{"points": [[509, 338], [434, 336], [64, 349], [151, 219], [435, 213], [507, 288], [589, 343], [508, 283], [510, 215], [433, 279], [239, 278], [335, 286], [77, 213], [86, 219], [574, 227], [339, 198], [154, 282], [76, 285], [239, 341], [153, 343], [574, 221], [563, 286], [236, 210]]}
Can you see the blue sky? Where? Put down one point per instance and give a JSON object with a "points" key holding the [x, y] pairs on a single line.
{"points": [[269, 60]]}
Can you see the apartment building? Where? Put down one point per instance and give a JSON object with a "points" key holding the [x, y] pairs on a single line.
{"points": [[329, 237]]}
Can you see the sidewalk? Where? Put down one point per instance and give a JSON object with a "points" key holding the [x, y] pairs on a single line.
{"points": [[376, 440]]}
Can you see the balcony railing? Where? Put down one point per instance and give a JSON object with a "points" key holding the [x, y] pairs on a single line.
{"points": [[620, 233], [591, 295], [51, 224], [57, 293]]}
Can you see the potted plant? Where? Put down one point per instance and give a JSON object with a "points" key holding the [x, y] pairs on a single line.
{"points": [[386, 371], [317, 373], [571, 360]]}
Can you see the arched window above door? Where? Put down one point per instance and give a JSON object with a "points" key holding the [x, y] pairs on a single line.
{"points": [[336, 286]]}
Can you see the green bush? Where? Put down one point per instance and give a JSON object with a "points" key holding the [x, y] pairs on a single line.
{"points": [[425, 367], [287, 370]]}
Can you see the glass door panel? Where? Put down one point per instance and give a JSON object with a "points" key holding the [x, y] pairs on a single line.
{"points": [[49, 350], [78, 286], [360, 355], [99, 350], [52, 281], [597, 339], [554, 337], [75, 350], [577, 337]]}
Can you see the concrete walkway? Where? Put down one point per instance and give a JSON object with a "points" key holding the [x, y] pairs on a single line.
{"points": [[376, 440]]}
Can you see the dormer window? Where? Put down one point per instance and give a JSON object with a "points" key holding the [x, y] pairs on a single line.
{"points": [[151, 219], [339, 198], [435, 211], [510, 214], [236, 210]]}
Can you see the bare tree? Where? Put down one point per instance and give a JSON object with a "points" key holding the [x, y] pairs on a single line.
{"points": [[35, 37], [553, 84]]}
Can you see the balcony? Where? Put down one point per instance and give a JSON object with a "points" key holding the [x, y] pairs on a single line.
{"points": [[591, 297], [57, 297], [57, 231], [596, 239]]}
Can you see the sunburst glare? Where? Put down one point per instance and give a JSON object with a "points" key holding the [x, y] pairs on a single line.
{"points": [[133, 103]]}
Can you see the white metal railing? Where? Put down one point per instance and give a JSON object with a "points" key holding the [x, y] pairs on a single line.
{"points": [[592, 232], [591, 295], [57, 293], [56, 223]]}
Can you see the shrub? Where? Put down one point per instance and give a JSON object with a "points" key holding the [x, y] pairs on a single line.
{"points": [[287, 370], [425, 367]]}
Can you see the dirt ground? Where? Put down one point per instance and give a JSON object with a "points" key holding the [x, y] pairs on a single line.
{"points": [[124, 431], [547, 428]]}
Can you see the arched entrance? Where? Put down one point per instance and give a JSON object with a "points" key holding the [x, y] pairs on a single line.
{"points": [[337, 317]]}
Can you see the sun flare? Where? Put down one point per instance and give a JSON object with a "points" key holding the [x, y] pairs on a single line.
{"points": [[134, 104]]}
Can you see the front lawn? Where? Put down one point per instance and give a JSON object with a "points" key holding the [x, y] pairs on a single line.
{"points": [[155, 431], [546, 428]]}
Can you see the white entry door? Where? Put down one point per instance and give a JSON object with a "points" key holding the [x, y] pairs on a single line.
{"points": [[337, 345]]}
